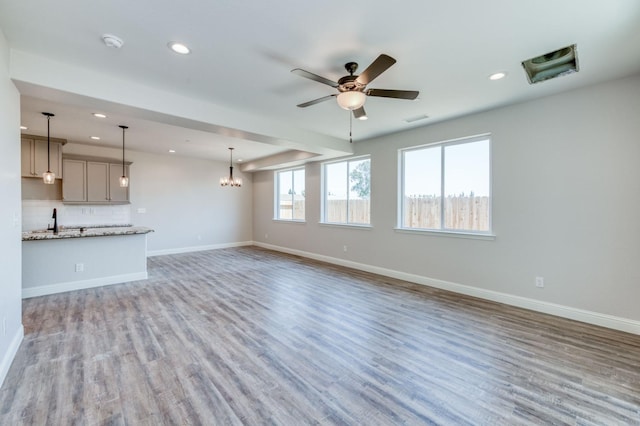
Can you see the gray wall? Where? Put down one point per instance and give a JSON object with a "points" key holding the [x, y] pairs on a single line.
{"points": [[183, 199], [10, 242], [566, 184]]}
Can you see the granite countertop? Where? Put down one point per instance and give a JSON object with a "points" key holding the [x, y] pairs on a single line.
{"points": [[79, 232]]}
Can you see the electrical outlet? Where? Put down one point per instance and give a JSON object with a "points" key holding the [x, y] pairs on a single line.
{"points": [[540, 282], [344, 249], [79, 267]]}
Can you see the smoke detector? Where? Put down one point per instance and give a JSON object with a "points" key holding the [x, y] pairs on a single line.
{"points": [[554, 64], [112, 41]]}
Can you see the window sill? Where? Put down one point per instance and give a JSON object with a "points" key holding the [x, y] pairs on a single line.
{"points": [[453, 234], [346, 225], [296, 221]]}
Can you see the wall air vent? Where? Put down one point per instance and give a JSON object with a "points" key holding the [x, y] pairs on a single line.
{"points": [[551, 65]]}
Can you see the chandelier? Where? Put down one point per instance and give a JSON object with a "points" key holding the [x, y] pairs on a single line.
{"points": [[230, 180]]}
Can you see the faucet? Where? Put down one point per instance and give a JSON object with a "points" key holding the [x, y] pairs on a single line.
{"points": [[55, 223]]}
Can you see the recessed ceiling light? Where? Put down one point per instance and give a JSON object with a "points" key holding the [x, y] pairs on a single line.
{"points": [[240, 160], [23, 127], [171, 151], [179, 48], [498, 76], [95, 138], [99, 115]]}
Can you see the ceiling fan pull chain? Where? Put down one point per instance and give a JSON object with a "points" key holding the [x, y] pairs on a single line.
{"points": [[350, 127]]}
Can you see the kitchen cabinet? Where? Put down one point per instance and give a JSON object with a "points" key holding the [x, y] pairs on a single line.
{"points": [[74, 185], [34, 156], [97, 181], [93, 181]]}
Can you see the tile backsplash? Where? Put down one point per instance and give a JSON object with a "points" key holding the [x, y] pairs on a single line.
{"points": [[36, 214]]}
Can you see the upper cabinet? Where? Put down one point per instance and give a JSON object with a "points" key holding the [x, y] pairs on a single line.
{"points": [[36, 159], [74, 184], [93, 181]]}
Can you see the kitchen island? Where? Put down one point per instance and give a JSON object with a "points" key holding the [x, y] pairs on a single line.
{"points": [[82, 257]]}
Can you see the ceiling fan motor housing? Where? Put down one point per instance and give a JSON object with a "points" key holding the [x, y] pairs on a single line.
{"points": [[349, 83]]}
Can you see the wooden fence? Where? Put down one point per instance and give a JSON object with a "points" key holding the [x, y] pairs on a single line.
{"points": [[461, 212]]}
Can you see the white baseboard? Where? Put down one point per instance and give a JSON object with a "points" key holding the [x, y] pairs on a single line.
{"points": [[589, 317], [79, 285], [198, 248], [12, 350]]}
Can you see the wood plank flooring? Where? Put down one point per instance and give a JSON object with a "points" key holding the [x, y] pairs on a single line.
{"points": [[250, 336]]}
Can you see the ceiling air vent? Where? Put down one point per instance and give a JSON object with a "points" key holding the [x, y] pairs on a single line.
{"points": [[551, 65]]}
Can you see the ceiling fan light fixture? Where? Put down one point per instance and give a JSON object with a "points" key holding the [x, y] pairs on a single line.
{"points": [[351, 100]]}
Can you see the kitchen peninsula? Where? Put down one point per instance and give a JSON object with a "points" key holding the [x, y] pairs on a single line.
{"points": [[77, 258]]}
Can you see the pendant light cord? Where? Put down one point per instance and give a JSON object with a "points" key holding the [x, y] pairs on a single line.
{"points": [[123, 169], [48, 144], [48, 115]]}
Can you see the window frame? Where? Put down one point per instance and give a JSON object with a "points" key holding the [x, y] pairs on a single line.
{"points": [[276, 194], [443, 230], [323, 201]]}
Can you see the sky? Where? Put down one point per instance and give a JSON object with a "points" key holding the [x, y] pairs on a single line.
{"points": [[467, 169]]}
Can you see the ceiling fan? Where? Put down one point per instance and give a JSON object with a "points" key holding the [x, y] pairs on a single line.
{"points": [[353, 88]]}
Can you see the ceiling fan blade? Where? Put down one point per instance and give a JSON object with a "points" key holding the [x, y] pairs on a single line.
{"points": [[314, 77], [380, 65], [360, 113], [397, 94], [316, 101]]}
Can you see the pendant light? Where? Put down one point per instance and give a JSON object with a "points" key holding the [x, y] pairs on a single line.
{"points": [[124, 180], [48, 177], [230, 181]]}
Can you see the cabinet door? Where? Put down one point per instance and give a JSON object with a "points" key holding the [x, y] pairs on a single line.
{"points": [[26, 158], [73, 185], [116, 192], [97, 182]]}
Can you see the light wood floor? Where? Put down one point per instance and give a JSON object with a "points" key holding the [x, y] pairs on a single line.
{"points": [[249, 336]]}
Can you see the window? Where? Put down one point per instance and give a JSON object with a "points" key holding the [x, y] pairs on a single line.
{"points": [[347, 191], [290, 194], [447, 186]]}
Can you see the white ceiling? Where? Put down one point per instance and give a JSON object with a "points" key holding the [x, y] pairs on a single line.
{"points": [[243, 52]]}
